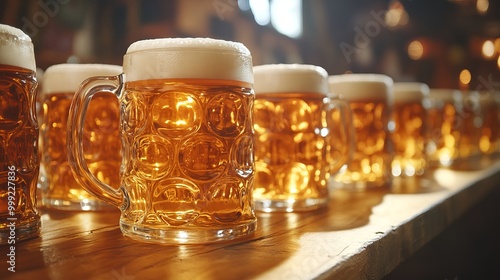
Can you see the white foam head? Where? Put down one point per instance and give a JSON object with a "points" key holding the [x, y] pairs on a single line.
{"points": [[188, 58], [64, 78], [16, 48], [487, 98], [290, 78], [410, 92], [362, 86], [445, 95]]}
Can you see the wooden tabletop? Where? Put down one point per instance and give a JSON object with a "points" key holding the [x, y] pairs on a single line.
{"points": [[361, 235]]}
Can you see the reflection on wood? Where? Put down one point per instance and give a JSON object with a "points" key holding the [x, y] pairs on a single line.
{"points": [[360, 235]]}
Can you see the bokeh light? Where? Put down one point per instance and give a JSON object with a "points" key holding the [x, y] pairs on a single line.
{"points": [[488, 49], [465, 77], [415, 50]]}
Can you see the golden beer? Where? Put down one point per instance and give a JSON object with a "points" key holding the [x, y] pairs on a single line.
{"points": [[101, 140], [19, 163], [471, 116], [190, 148], [292, 146], [370, 100], [444, 126], [496, 134], [490, 130], [187, 173], [409, 135], [490, 122]]}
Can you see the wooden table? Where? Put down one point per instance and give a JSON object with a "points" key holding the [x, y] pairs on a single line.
{"points": [[361, 235]]}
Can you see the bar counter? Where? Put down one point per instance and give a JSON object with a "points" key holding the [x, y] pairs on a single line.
{"points": [[361, 235]]}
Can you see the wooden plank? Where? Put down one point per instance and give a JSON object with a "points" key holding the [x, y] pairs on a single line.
{"points": [[361, 235]]}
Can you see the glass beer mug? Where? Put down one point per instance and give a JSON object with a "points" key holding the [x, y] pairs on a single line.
{"points": [[187, 141], [445, 122], [60, 190], [294, 155], [410, 129], [19, 163], [370, 100]]}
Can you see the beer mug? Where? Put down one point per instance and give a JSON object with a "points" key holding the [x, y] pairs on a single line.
{"points": [[293, 151], [445, 123], [472, 122], [409, 136], [489, 129], [187, 141], [496, 134], [100, 140], [19, 164], [370, 100]]}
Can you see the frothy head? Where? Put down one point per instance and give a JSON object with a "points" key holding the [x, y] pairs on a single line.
{"points": [[64, 78], [290, 78], [362, 86], [410, 92], [16, 48], [445, 95], [188, 58]]}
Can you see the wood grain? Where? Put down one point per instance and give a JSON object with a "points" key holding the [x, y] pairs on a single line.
{"points": [[361, 235]]}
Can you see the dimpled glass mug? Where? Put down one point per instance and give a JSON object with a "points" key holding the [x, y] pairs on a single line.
{"points": [[410, 129], [187, 141], [19, 163], [370, 99], [294, 151], [60, 190]]}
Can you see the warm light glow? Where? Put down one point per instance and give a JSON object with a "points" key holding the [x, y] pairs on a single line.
{"points": [[497, 45], [415, 50], [482, 6], [396, 15], [498, 62], [465, 77], [286, 17], [488, 49]]}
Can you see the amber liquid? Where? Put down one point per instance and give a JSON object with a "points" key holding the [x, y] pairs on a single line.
{"points": [[490, 131], [19, 164], [101, 145], [409, 139], [370, 165], [472, 121], [444, 134], [291, 151], [188, 157]]}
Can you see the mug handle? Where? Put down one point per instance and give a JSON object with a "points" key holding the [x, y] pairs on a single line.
{"points": [[340, 123], [74, 143]]}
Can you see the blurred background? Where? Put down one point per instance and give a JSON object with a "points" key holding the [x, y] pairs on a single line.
{"points": [[444, 43]]}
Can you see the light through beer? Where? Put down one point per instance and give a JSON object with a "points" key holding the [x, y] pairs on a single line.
{"points": [[490, 130], [101, 140], [292, 132], [186, 125], [472, 117], [370, 99], [410, 129], [19, 163], [445, 126]]}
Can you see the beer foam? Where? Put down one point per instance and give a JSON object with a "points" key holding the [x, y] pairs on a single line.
{"points": [[16, 48], [487, 98], [445, 95], [290, 78], [64, 78], [362, 86], [188, 58], [408, 92]]}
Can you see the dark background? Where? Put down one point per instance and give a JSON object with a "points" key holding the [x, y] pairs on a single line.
{"points": [[451, 33]]}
